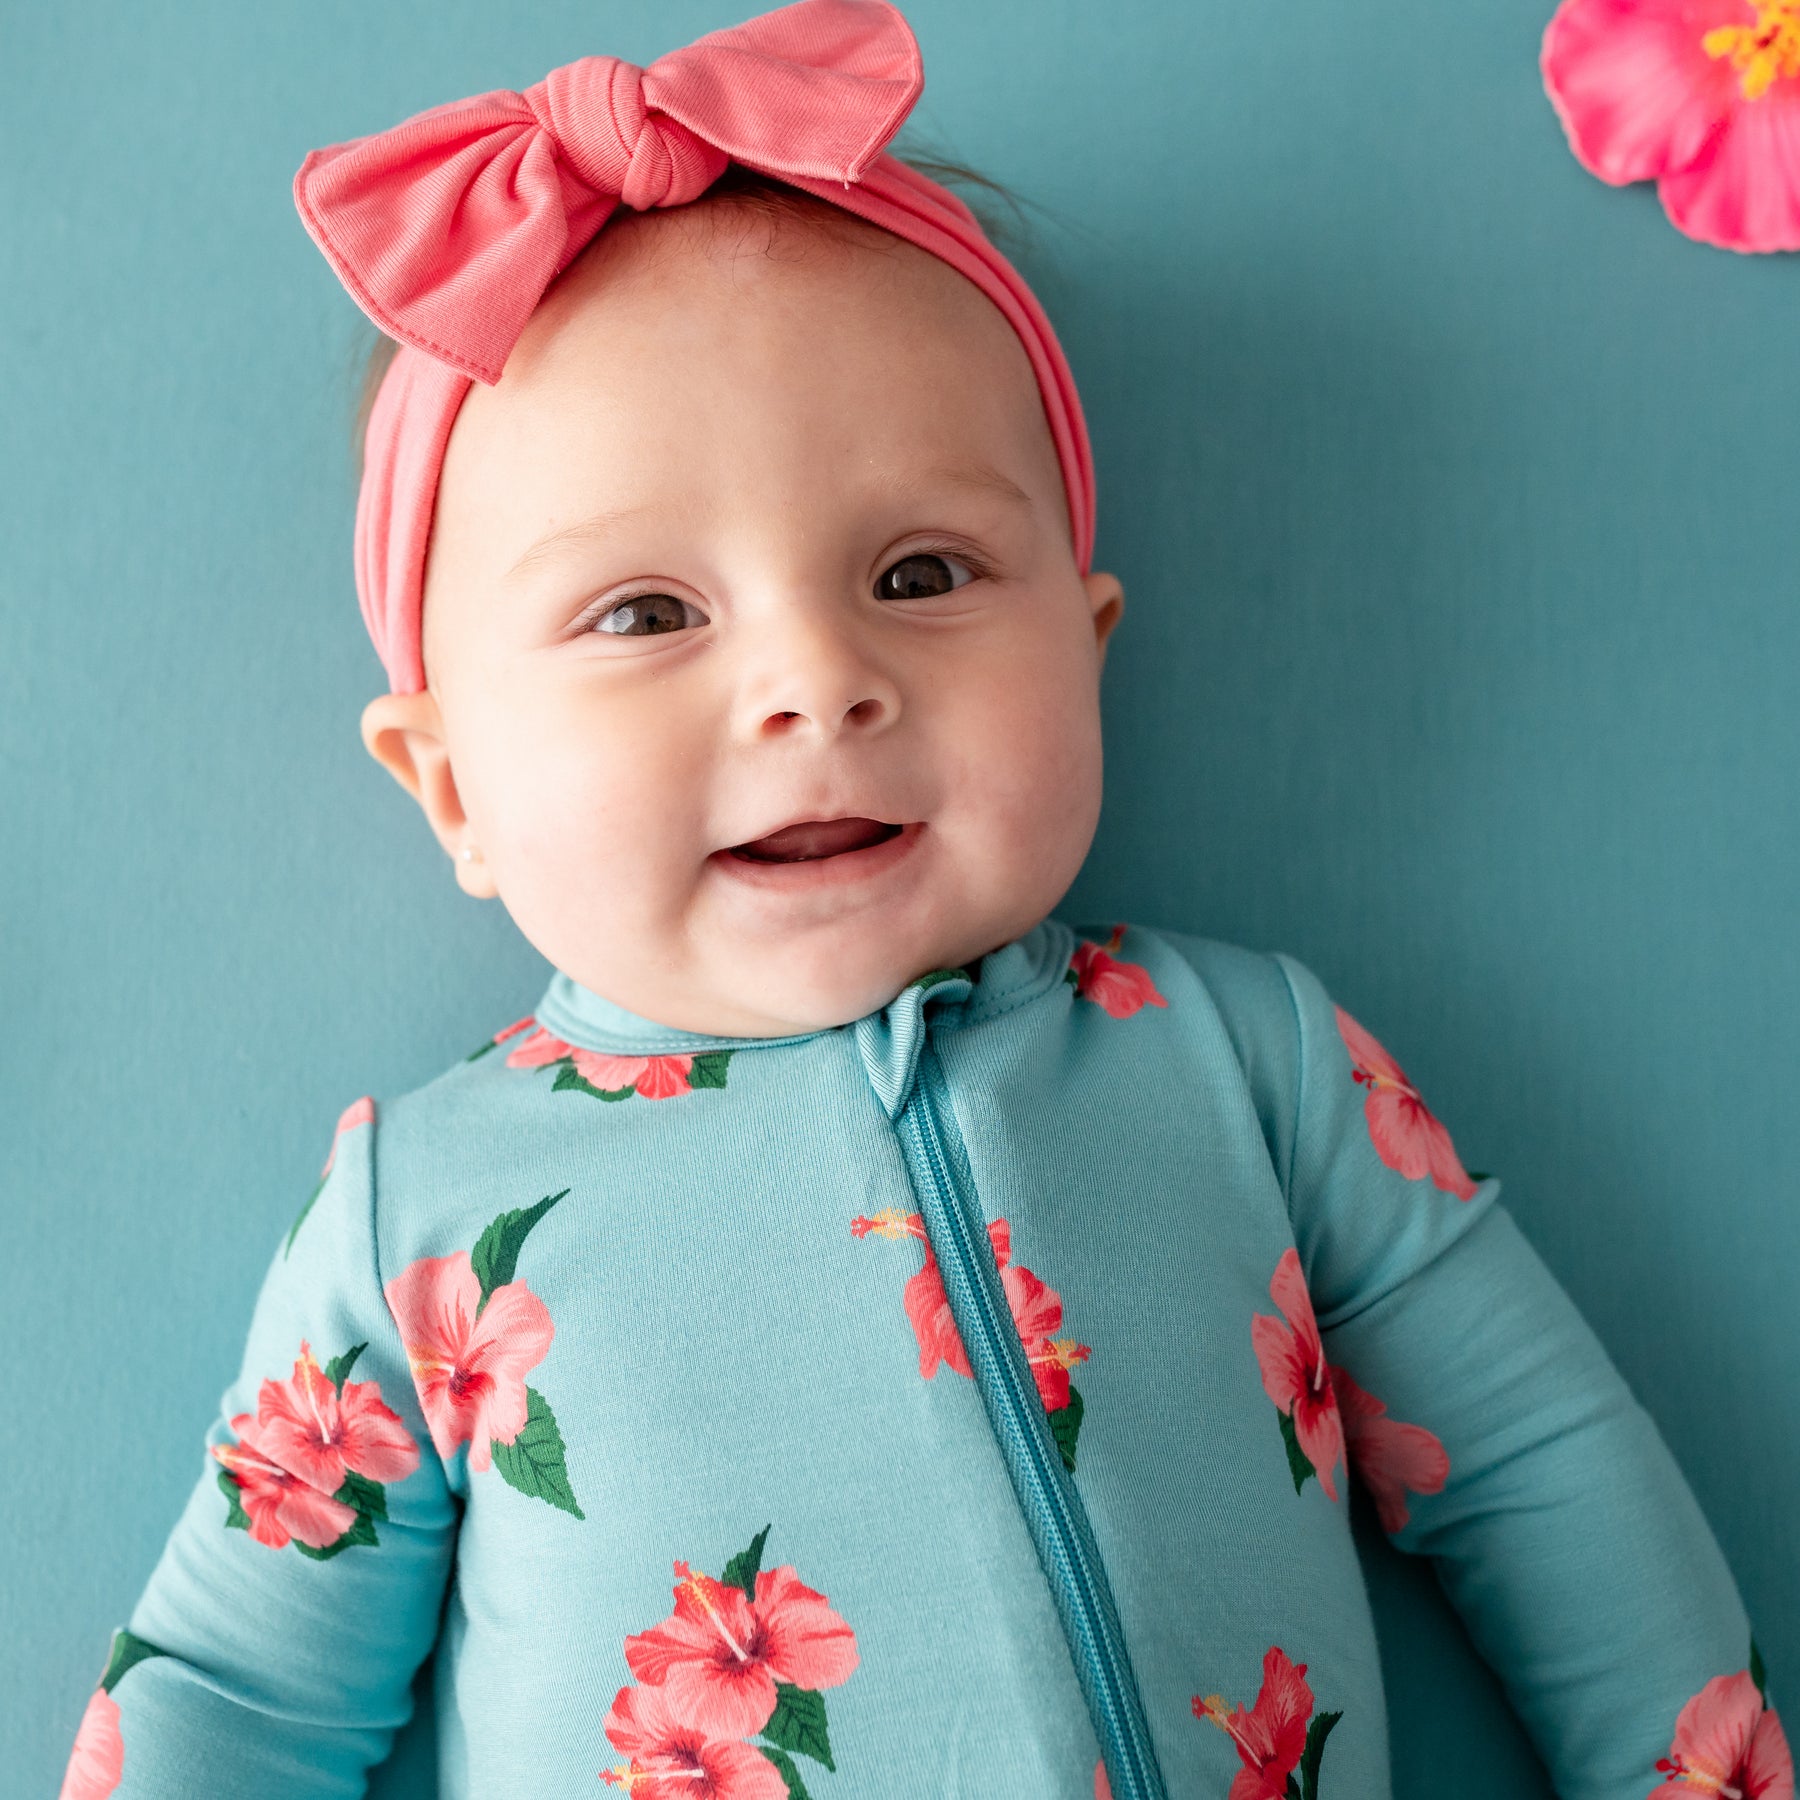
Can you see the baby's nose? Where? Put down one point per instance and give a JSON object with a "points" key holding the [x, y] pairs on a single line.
{"points": [[820, 679]]}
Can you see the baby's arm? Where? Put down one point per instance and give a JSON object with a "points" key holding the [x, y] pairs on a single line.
{"points": [[273, 1650], [1498, 1439]]}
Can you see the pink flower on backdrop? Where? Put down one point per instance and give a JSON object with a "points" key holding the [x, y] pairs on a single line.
{"points": [[1271, 1736], [1406, 1135], [469, 1372], [1390, 1459], [1118, 988], [316, 1433], [673, 1759], [279, 1504], [1727, 1742], [718, 1656], [1700, 96], [654, 1077], [358, 1112], [1295, 1374], [97, 1763]]}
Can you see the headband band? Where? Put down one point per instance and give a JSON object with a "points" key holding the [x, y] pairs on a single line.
{"points": [[447, 230]]}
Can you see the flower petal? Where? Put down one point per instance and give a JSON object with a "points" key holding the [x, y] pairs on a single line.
{"points": [[1745, 194], [1635, 90]]}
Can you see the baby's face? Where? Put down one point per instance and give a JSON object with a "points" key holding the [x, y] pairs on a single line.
{"points": [[761, 675]]}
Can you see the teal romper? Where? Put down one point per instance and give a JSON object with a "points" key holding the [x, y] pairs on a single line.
{"points": [[959, 1402]]}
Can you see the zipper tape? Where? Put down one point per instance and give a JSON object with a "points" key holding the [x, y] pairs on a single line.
{"points": [[944, 1185]]}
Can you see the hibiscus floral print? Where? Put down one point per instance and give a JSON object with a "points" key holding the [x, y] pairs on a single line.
{"points": [[1325, 1413], [1390, 1459], [1279, 1741], [311, 1465], [472, 1334], [609, 1077], [97, 1763], [358, 1112], [1406, 1134], [744, 1657], [1728, 1742], [1118, 988], [1036, 1311], [1296, 1377]]}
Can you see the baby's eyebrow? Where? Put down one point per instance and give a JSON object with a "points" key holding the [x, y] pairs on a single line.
{"points": [[971, 475], [583, 531]]}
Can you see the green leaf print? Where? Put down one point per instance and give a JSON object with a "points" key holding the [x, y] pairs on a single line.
{"points": [[362, 1532], [789, 1773], [535, 1462], [337, 1371], [128, 1651], [294, 1229], [1758, 1673], [708, 1069], [1298, 1466], [1316, 1734], [496, 1252], [1065, 1424], [798, 1723], [927, 982], [236, 1519], [368, 1497], [568, 1076], [740, 1572]]}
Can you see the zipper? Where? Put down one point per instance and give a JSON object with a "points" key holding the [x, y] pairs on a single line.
{"points": [[938, 1167]]}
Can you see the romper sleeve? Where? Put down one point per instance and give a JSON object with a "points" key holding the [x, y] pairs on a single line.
{"points": [[1496, 1437], [273, 1651]]}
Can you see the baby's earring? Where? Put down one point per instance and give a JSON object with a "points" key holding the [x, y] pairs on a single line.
{"points": [[470, 854]]}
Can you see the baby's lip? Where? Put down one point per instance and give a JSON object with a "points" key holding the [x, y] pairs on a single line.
{"points": [[812, 840]]}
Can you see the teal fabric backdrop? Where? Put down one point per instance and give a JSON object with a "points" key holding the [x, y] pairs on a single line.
{"points": [[1454, 496]]}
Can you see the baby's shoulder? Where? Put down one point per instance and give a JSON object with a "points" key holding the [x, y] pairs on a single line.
{"points": [[1250, 991]]}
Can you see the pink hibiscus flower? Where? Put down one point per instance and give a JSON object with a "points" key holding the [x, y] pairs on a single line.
{"points": [[469, 1371], [1700, 96], [1294, 1371], [672, 1759], [653, 1077], [316, 1433], [1102, 1787], [358, 1112], [1406, 1135], [1271, 1736], [1036, 1310], [97, 1763], [718, 1656], [1728, 1743], [1118, 988], [279, 1504], [1389, 1458]]}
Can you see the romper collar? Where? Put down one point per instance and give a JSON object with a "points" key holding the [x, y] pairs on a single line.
{"points": [[889, 1037]]}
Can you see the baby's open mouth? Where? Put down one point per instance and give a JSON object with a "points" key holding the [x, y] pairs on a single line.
{"points": [[813, 839]]}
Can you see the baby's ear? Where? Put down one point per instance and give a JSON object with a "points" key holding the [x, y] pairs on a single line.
{"points": [[1106, 599], [405, 734]]}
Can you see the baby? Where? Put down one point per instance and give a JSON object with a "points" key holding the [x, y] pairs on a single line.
{"points": [[856, 1338]]}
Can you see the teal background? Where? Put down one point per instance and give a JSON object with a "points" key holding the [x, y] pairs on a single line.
{"points": [[1454, 494]]}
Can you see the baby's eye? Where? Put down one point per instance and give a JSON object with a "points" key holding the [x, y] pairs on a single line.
{"points": [[645, 615], [922, 575]]}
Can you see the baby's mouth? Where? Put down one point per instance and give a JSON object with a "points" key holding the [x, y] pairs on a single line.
{"points": [[813, 839]]}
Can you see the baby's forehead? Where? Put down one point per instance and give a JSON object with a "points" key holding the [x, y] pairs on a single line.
{"points": [[794, 294]]}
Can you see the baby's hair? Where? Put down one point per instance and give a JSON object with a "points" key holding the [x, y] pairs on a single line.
{"points": [[748, 198]]}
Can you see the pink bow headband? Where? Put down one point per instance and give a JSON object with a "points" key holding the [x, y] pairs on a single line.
{"points": [[447, 230]]}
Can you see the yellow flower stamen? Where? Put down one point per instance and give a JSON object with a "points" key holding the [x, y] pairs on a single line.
{"points": [[701, 1587], [1763, 53], [890, 1222]]}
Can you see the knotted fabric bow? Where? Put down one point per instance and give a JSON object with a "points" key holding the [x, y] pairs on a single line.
{"points": [[447, 230]]}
